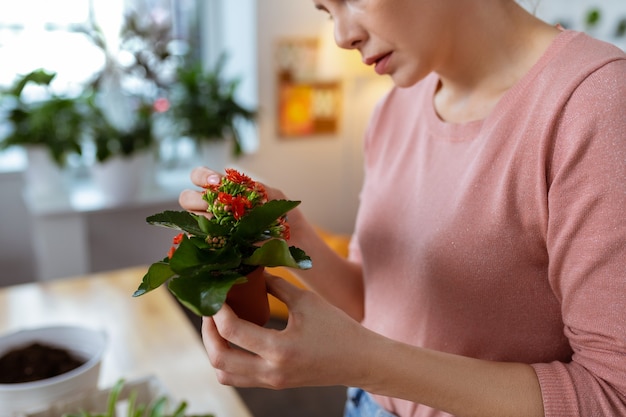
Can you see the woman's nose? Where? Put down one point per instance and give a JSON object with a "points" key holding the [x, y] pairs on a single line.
{"points": [[347, 35]]}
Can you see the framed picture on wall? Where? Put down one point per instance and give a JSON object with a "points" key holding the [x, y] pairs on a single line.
{"points": [[306, 106]]}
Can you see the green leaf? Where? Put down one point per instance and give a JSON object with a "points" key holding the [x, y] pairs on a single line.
{"points": [[158, 409], [302, 259], [180, 411], [275, 252], [113, 396], [260, 218], [38, 76], [189, 259], [204, 224], [157, 274], [180, 220], [593, 17], [132, 399], [204, 296]]}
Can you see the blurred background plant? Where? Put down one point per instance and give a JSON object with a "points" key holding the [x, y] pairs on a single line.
{"points": [[595, 16], [204, 107], [52, 122], [123, 93], [152, 87]]}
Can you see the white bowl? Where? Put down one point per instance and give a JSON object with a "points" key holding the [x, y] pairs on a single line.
{"points": [[85, 343]]}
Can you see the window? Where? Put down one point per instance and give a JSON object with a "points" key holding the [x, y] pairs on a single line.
{"points": [[47, 34]]}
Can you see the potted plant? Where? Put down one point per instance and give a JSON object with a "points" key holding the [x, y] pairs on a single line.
{"points": [[122, 153], [50, 129], [122, 97], [205, 109], [220, 258]]}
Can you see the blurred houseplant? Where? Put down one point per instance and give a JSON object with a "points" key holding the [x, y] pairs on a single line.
{"points": [[205, 109], [150, 87], [50, 129], [132, 79], [122, 102]]}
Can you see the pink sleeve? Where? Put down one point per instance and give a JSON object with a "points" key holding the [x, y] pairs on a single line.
{"points": [[587, 249]]}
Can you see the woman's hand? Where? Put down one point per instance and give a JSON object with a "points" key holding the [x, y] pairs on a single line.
{"points": [[317, 347], [191, 200]]}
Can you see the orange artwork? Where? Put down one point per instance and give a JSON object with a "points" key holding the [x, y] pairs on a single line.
{"points": [[306, 106]]}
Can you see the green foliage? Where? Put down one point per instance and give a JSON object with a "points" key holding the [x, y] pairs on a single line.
{"points": [[201, 102], [620, 30], [57, 123], [204, 104], [200, 275], [593, 17], [110, 140], [155, 409]]}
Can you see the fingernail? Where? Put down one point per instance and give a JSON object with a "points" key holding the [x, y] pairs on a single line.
{"points": [[213, 179]]}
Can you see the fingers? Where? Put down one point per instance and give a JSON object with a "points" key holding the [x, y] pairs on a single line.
{"points": [[203, 176], [233, 365], [191, 200], [282, 289], [213, 342], [240, 332]]}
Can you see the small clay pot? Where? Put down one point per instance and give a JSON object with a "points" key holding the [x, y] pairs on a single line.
{"points": [[249, 300]]}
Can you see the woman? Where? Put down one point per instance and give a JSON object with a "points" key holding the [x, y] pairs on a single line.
{"points": [[487, 273]]}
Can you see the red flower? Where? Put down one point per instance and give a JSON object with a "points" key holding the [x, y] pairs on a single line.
{"points": [[224, 198], [286, 229], [236, 205], [170, 253], [237, 177], [239, 207], [177, 239], [259, 188]]}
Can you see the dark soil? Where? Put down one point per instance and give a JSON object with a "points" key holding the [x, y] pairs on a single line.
{"points": [[35, 362]]}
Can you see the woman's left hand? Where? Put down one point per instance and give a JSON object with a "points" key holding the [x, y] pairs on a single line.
{"points": [[318, 347]]}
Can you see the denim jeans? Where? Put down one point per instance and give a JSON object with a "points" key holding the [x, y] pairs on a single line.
{"points": [[361, 404]]}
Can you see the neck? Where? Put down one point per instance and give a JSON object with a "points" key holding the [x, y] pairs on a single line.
{"points": [[494, 54]]}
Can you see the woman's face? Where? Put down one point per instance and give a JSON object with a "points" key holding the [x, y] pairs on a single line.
{"points": [[405, 39]]}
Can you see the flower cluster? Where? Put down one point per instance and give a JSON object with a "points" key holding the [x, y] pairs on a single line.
{"points": [[232, 199], [241, 231]]}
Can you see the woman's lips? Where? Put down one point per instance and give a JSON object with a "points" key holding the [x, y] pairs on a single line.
{"points": [[380, 62]]}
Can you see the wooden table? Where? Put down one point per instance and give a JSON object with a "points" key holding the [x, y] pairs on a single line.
{"points": [[148, 335]]}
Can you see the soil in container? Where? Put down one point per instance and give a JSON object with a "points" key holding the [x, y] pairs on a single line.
{"points": [[35, 362]]}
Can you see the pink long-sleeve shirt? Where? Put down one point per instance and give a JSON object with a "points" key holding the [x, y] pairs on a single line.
{"points": [[505, 238]]}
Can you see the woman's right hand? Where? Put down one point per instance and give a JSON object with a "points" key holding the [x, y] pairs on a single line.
{"points": [[191, 200]]}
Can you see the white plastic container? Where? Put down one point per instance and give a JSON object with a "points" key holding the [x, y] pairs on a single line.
{"points": [[28, 397]]}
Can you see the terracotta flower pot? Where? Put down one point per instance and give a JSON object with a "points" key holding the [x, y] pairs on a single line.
{"points": [[249, 300]]}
